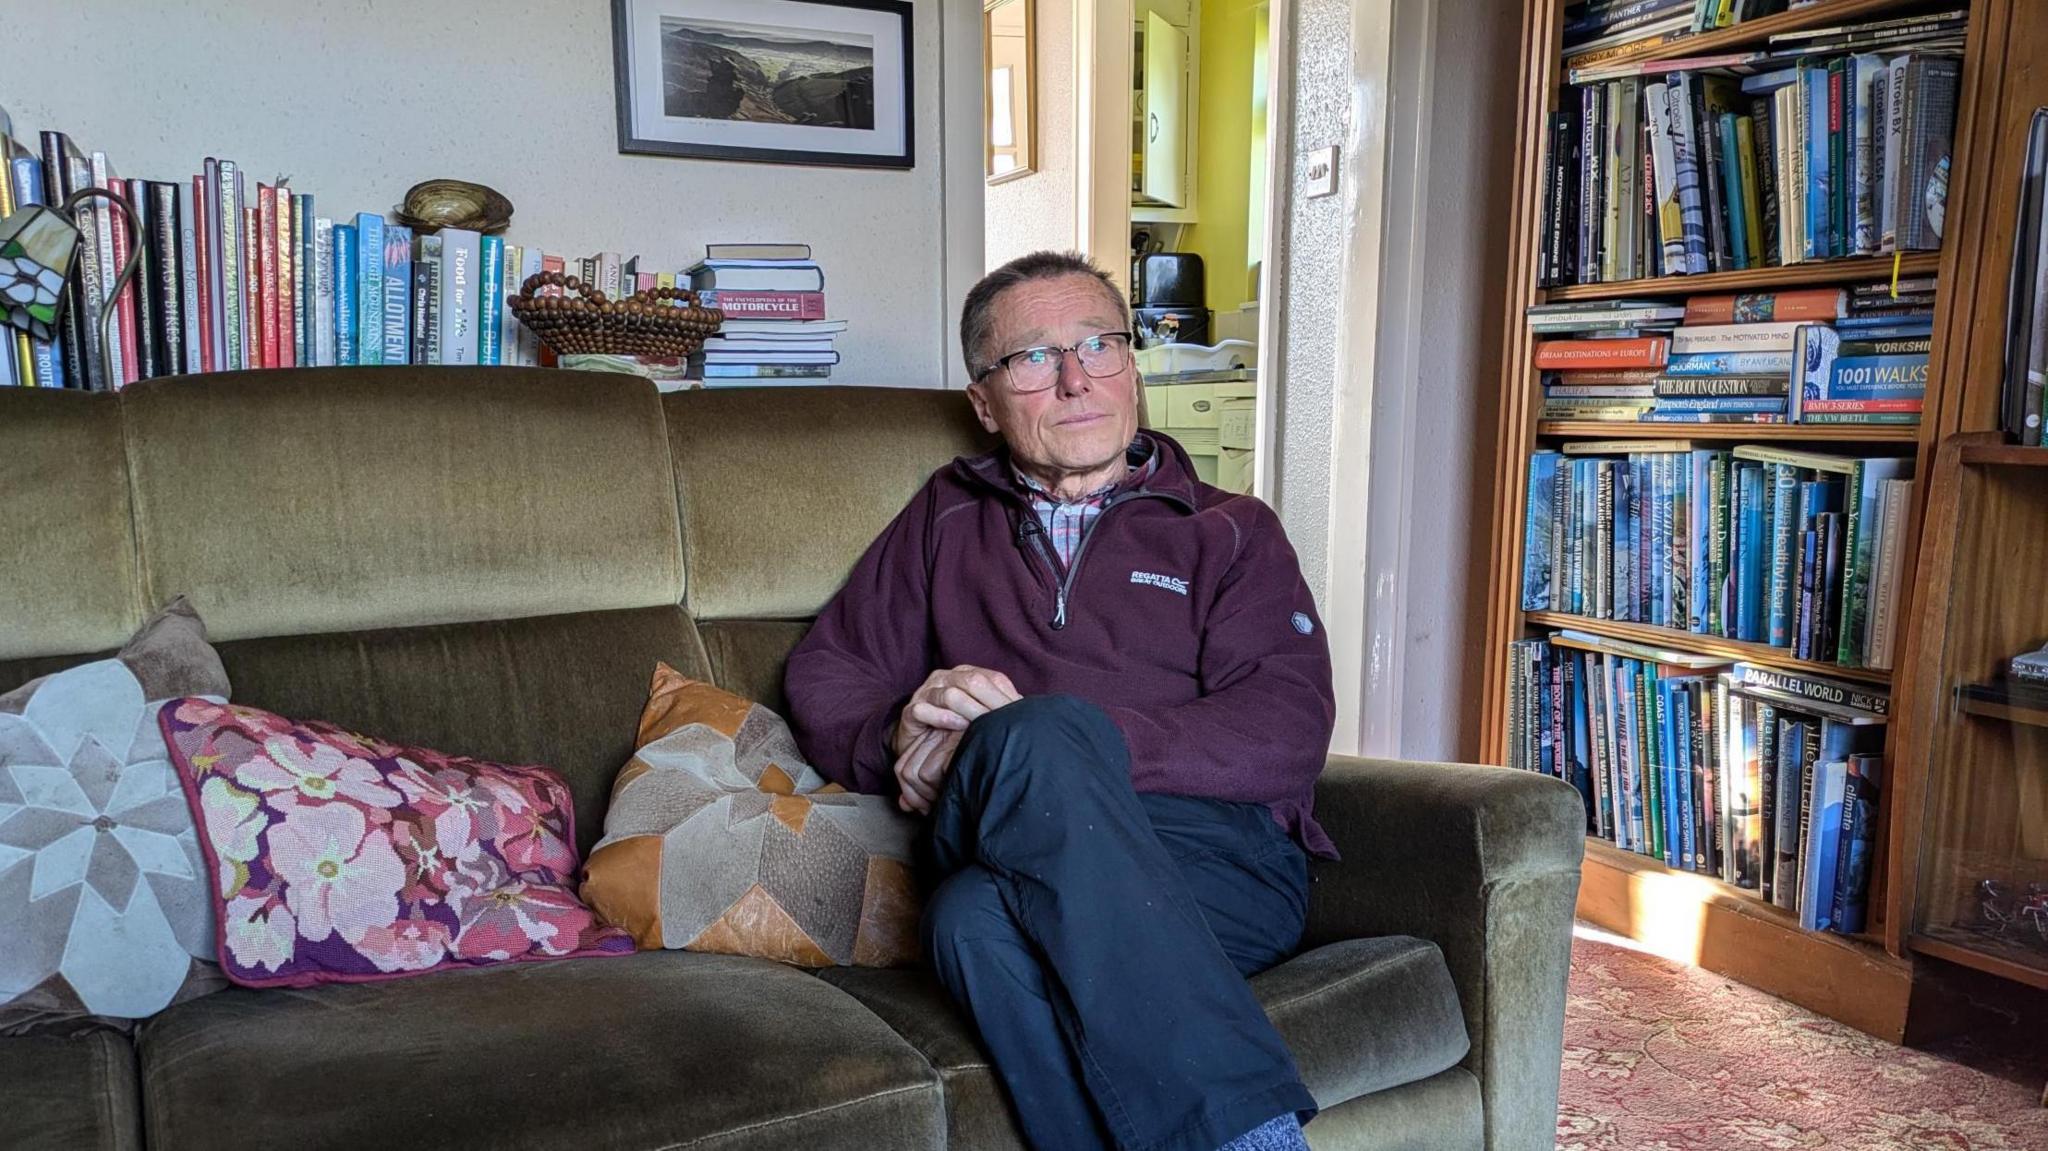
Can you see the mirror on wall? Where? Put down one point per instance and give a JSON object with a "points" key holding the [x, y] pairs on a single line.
{"points": [[1009, 95]]}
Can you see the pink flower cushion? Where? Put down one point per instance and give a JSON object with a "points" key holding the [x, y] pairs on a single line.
{"points": [[339, 858]]}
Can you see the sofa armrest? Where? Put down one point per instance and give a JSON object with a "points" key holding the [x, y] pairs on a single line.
{"points": [[1484, 862]]}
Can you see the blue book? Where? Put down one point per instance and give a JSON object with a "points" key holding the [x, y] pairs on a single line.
{"points": [[1814, 122], [1785, 799], [1579, 769], [345, 294], [1823, 843], [1629, 804], [1784, 542], [1622, 598], [1688, 847], [490, 300], [26, 174], [1699, 520], [1901, 376], [1667, 771], [1765, 83], [1546, 752], [369, 279], [1749, 589], [397, 321], [1729, 364], [305, 299], [1587, 485], [1884, 327], [1858, 842], [1538, 527], [1731, 190], [1660, 539], [1646, 534], [1685, 162]]}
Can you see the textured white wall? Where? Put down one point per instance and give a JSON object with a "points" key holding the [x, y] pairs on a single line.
{"points": [[358, 101], [1037, 211]]}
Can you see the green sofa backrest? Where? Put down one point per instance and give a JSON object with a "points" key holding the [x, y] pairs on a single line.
{"points": [[485, 561]]}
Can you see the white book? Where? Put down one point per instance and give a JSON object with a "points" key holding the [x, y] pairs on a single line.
{"points": [[729, 344], [794, 329], [1770, 337], [1894, 147], [771, 357], [1892, 503], [508, 324], [460, 280], [188, 280], [323, 292]]}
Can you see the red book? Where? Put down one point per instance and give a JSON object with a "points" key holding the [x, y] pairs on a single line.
{"points": [[202, 263], [811, 306], [1820, 304], [1644, 352], [266, 273], [1898, 405], [124, 306], [252, 290], [644, 282], [281, 276]]}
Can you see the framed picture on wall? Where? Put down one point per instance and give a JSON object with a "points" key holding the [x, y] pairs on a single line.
{"points": [[781, 81], [1009, 93]]}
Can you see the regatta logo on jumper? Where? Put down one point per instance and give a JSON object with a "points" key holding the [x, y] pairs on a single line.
{"points": [[1170, 583]]}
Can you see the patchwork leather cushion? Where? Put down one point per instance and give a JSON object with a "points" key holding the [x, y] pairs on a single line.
{"points": [[1359, 1016], [721, 838], [782, 489], [69, 1094], [563, 691], [661, 1049], [70, 579], [293, 502]]}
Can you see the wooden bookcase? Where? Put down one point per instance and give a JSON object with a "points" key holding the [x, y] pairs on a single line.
{"points": [[1868, 980]]}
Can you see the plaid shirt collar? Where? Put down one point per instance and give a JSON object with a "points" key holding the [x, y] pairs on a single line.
{"points": [[1067, 522]]}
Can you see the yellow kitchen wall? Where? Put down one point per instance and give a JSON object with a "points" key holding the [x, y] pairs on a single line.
{"points": [[1224, 132]]}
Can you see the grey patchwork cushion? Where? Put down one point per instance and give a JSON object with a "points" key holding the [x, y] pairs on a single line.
{"points": [[104, 911]]}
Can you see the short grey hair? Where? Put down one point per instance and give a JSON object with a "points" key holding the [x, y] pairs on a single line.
{"points": [[978, 318]]}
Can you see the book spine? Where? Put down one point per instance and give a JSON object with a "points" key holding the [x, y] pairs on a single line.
{"points": [[1839, 194], [1862, 97], [1933, 106], [323, 292], [766, 305], [1603, 544], [423, 275], [346, 285], [1686, 169], [1538, 531], [1743, 177], [185, 210], [1592, 209], [305, 279], [509, 278], [457, 304], [284, 280], [397, 287], [1707, 137], [1729, 364], [223, 225], [530, 264], [1894, 153], [170, 279], [1763, 153], [433, 251], [490, 275], [369, 302]]}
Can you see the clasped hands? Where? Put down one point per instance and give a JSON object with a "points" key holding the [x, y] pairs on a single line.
{"points": [[929, 729]]}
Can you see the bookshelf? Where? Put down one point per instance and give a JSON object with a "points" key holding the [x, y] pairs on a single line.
{"points": [[1873, 980]]}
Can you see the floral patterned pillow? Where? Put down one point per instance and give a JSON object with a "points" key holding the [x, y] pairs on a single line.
{"points": [[340, 858]]}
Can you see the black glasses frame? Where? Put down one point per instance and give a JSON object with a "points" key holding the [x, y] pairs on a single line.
{"points": [[1003, 364]]}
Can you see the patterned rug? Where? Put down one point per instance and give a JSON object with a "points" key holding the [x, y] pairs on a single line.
{"points": [[1659, 1056]]}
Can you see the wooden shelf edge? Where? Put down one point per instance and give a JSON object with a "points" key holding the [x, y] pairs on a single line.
{"points": [[1754, 32], [1753, 279], [1616, 430], [2004, 455], [1700, 920], [1978, 960], [1730, 649]]}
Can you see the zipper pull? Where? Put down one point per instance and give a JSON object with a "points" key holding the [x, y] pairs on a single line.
{"points": [[1059, 615]]}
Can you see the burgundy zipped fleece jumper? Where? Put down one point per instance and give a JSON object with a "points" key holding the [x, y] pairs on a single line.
{"points": [[1184, 616]]}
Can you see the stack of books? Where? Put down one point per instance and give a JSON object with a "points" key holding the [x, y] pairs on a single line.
{"points": [[773, 297], [1813, 355], [1798, 550], [1765, 779], [1832, 143]]}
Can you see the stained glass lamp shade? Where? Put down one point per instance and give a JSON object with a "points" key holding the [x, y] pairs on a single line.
{"points": [[36, 248]]}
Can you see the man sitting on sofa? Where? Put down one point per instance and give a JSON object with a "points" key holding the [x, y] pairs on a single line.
{"points": [[1105, 682]]}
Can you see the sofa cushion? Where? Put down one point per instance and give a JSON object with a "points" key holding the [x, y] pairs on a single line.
{"points": [[721, 838], [105, 908], [69, 1093], [289, 502], [70, 579], [782, 489], [655, 1050], [564, 691], [340, 857], [1444, 1112], [1360, 1016], [748, 656]]}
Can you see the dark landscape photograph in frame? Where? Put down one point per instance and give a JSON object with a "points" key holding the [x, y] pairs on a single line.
{"points": [[787, 81]]}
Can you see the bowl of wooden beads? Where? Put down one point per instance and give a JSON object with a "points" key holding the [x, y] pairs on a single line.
{"points": [[574, 318]]}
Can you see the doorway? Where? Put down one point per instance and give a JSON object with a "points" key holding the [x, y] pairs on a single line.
{"points": [[1137, 132]]}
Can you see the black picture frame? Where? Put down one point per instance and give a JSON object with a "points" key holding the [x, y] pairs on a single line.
{"points": [[632, 144]]}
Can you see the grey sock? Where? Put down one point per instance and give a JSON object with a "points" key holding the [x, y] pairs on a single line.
{"points": [[1280, 1133]]}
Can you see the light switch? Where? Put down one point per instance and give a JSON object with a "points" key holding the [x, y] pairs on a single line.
{"points": [[1322, 172]]}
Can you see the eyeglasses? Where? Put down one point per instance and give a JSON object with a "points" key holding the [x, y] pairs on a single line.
{"points": [[1036, 369]]}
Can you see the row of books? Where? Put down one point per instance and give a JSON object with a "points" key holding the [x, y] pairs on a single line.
{"points": [[1632, 361], [755, 345], [1597, 29], [1766, 780], [238, 274], [1697, 172], [1798, 550]]}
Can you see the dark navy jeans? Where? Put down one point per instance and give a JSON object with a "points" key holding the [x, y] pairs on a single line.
{"points": [[1100, 938]]}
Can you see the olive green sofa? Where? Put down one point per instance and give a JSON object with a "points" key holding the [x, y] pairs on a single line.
{"points": [[491, 562]]}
